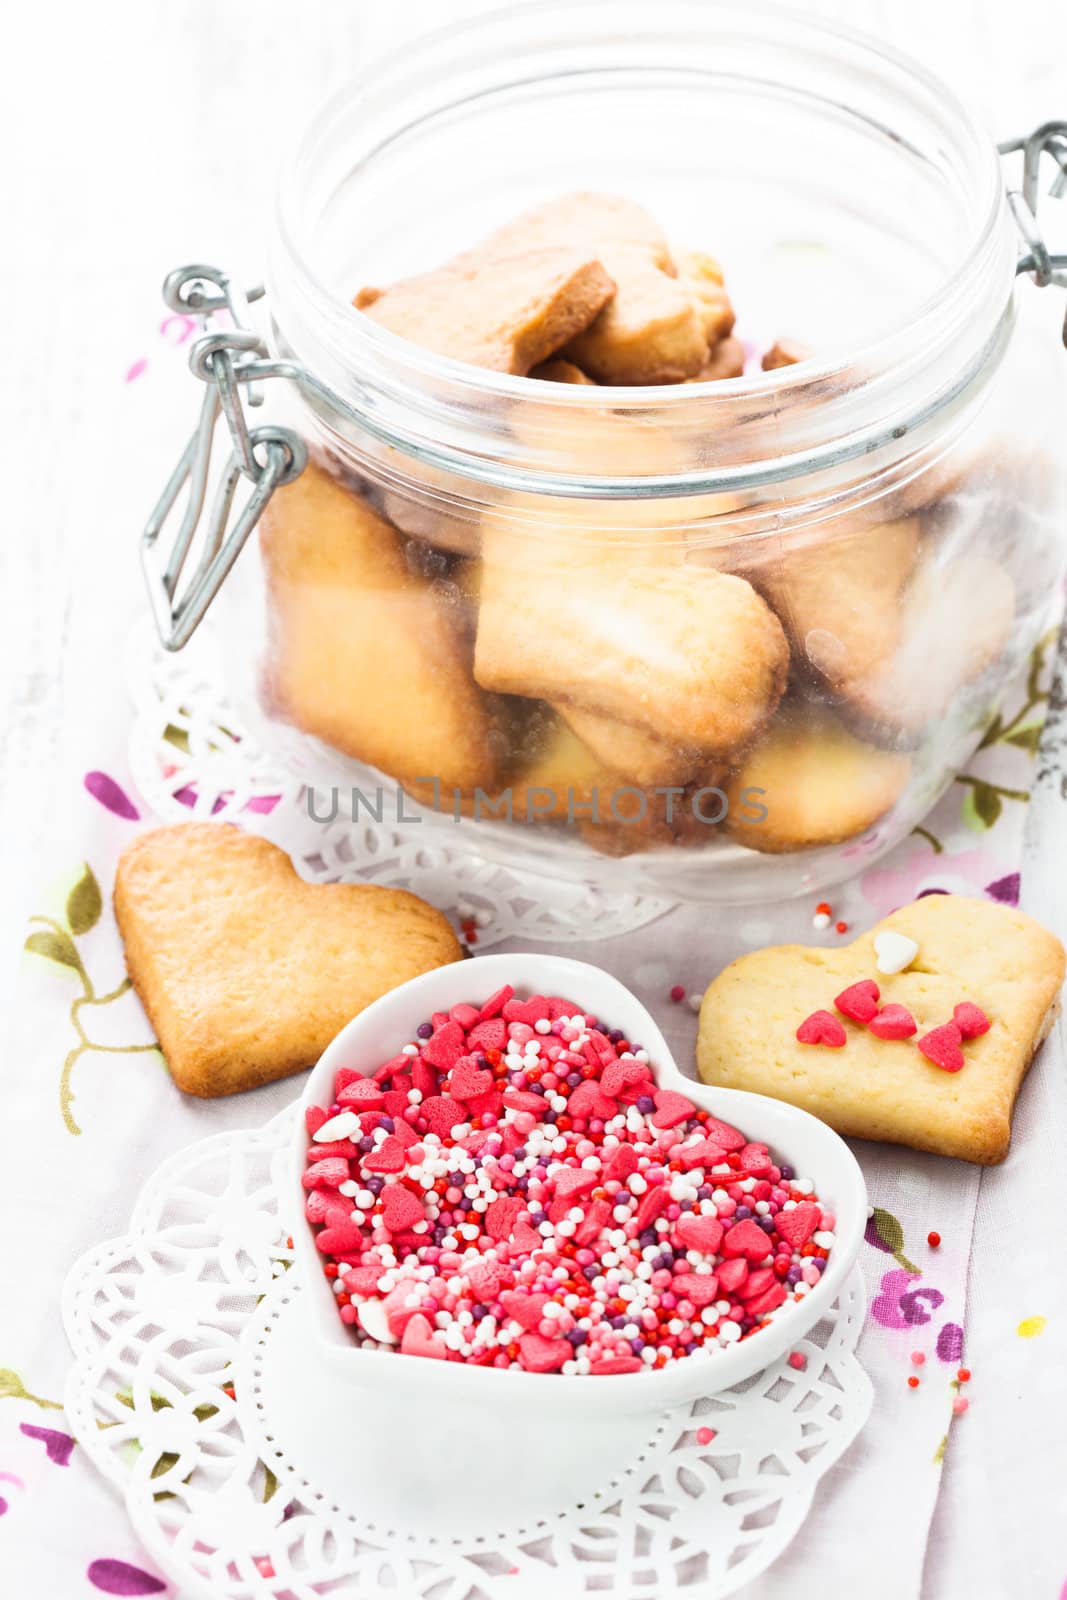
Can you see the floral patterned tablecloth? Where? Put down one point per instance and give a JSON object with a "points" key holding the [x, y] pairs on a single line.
{"points": [[89, 1111]]}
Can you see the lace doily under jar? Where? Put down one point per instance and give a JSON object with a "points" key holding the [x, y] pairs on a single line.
{"points": [[179, 1331], [192, 755]]}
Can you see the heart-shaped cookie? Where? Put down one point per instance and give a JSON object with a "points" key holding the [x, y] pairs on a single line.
{"points": [[247, 972], [993, 963], [688, 654], [365, 652]]}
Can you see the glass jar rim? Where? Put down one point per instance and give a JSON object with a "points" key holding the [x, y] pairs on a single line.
{"points": [[392, 375]]}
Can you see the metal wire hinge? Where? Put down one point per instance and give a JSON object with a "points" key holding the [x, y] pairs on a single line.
{"points": [[232, 362], [1043, 265]]}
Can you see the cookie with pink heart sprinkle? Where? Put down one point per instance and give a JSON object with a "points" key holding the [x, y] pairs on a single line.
{"points": [[929, 1054]]}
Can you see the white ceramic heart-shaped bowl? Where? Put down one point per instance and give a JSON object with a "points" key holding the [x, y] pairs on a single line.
{"points": [[462, 1409]]}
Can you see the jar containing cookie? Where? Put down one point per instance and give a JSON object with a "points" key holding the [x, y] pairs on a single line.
{"points": [[680, 425]]}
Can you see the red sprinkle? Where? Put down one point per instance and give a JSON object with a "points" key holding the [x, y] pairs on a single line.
{"points": [[971, 1020], [893, 1022], [842, 927], [705, 1435], [822, 1027], [823, 909], [677, 993], [942, 1047], [933, 1240], [859, 1001], [913, 1382], [798, 1360], [963, 1374]]}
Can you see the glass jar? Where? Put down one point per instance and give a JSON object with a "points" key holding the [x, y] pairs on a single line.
{"points": [[724, 639]]}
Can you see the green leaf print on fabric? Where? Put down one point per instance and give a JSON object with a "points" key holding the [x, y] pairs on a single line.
{"points": [[891, 1235], [84, 903], [55, 945], [983, 804], [13, 1388], [83, 908]]}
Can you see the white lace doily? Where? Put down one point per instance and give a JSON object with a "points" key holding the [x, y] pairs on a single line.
{"points": [[171, 1397], [192, 755]]}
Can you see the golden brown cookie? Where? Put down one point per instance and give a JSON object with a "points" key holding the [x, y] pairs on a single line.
{"points": [[690, 655], [840, 598], [967, 951], [703, 277], [635, 755], [498, 306], [956, 621], [559, 371], [808, 782], [725, 360], [245, 971], [784, 353], [660, 818], [653, 329], [365, 652], [551, 776]]}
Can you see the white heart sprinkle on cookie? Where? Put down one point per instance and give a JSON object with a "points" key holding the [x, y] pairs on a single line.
{"points": [[895, 951]]}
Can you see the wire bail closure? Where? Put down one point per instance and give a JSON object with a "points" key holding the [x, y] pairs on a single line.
{"points": [[232, 362], [1042, 264]]}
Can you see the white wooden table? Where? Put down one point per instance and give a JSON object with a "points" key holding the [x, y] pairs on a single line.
{"points": [[139, 134]]}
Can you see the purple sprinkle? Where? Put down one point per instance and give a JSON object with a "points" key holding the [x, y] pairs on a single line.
{"points": [[366, 1144], [118, 1577], [1006, 890], [424, 1030], [110, 796], [646, 1105], [57, 1445], [576, 1336], [637, 1345], [742, 1213], [788, 1173], [793, 1275]]}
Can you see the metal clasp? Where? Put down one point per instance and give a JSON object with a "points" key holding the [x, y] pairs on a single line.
{"points": [[1043, 265], [232, 362]]}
